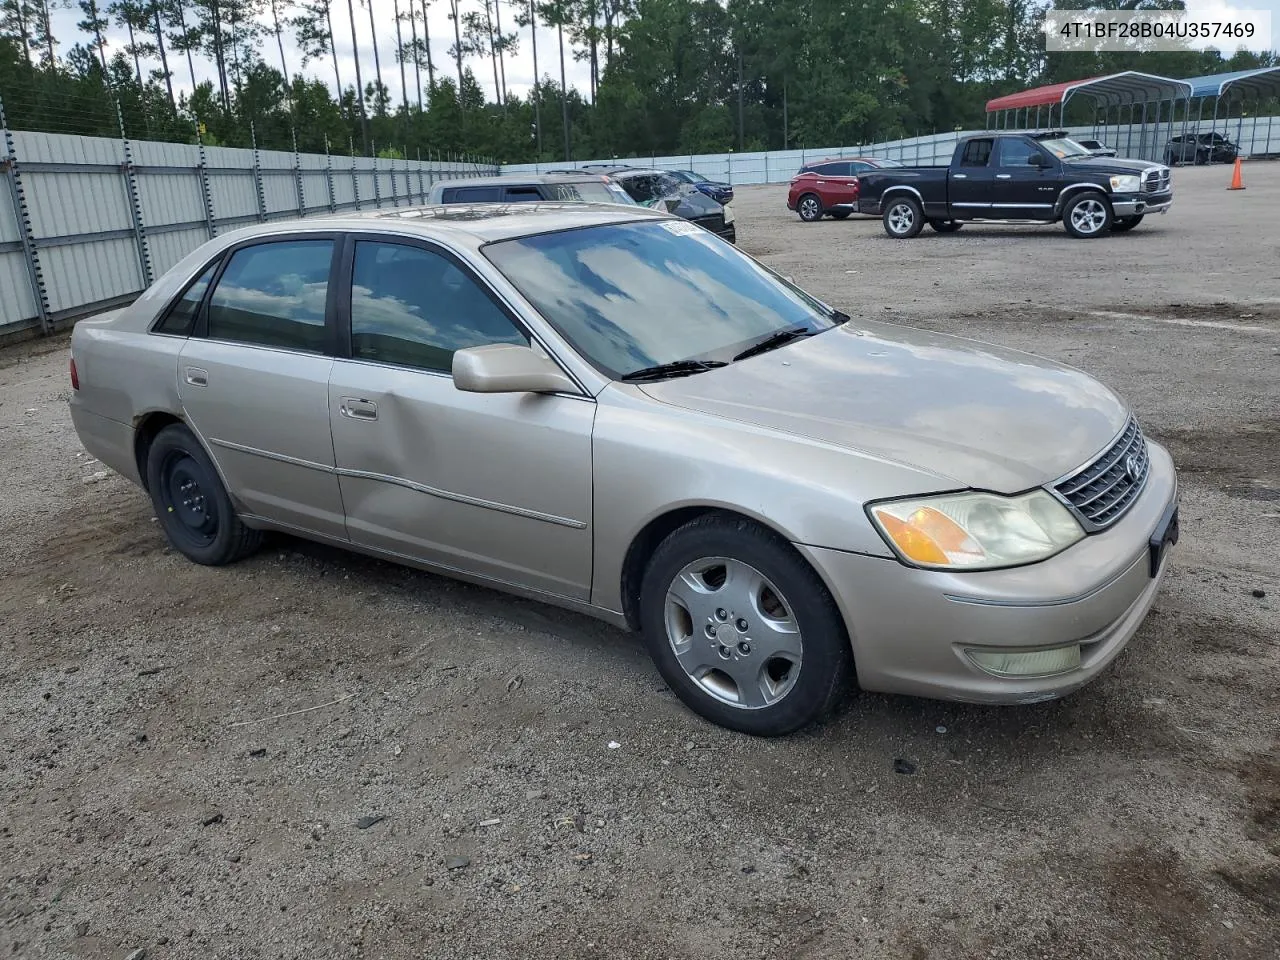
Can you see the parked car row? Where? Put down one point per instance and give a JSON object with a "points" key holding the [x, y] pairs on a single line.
{"points": [[599, 183]]}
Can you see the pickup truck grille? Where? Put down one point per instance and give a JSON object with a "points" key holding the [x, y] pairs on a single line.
{"points": [[1156, 180], [1100, 494]]}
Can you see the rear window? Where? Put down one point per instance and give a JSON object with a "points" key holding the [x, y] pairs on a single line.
{"points": [[273, 294], [977, 153], [182, 315]]}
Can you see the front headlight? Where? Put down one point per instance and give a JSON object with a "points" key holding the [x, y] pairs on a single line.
{"points": [[976, 531], [1126, 184], [728, 216]]}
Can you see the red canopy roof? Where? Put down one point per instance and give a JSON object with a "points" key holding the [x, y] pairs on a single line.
{"points": [[1035, 97]]}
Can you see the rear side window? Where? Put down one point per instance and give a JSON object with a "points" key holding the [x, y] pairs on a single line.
{"points": [[526, 194], [472, 195], [834, 169], [857, 166], [976, 153], [182, 315], [273, 294]]}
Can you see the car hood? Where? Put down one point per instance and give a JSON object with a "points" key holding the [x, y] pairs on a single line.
{"points": [[968, 412], [1110, 165]]}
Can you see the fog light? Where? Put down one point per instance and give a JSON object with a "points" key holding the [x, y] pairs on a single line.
{"points": [[1027, 663]]}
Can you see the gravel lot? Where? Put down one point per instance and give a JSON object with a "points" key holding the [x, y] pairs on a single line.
{"points": [[151, 797]]}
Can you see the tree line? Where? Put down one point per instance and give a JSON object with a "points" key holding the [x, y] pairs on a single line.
{"points": [[663, 76]]}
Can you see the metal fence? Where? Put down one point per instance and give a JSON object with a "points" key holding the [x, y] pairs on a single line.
{"points": [[87, 223], [1258, 136]]}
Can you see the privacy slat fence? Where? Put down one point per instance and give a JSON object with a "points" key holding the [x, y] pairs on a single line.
{"points": [[87, 223]]}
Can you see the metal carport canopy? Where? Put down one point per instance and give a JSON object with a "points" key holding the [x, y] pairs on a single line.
{"points": [[1261, 82], [1129, 87]]}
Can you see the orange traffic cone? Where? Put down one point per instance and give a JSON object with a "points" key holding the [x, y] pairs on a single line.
{"points": [[1236, 182]]}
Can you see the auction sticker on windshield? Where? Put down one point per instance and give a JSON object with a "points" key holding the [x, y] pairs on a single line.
{"points": [[681, 228]]}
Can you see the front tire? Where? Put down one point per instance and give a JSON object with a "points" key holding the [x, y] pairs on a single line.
{"points": [[810, 208], [192, 504], [945, 226], [742, 628], [1088, 215], [903, 218], [1123, 224]]}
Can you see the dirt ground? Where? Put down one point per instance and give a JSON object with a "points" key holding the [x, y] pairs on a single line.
{"points": [[152, 797]]}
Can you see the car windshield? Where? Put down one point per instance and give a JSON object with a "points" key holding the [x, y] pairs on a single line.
{"points": [[690, 177], [1063, 147], [647, 189], [630, 296], [590, 191]]}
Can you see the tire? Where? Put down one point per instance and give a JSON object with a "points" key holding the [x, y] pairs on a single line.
{"points": [[809, 207], [1201, 159], [707, 581], [839, 214], [1123, 224], [192, 504], [1088, 215], [945, 226], [903, 218]]}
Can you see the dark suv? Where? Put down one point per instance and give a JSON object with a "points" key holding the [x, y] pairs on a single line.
{"points": [[1200, 148], [657, 188]]}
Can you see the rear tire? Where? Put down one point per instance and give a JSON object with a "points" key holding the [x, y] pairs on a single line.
{"points": [[945, 226], [809, 207], [1123, 224], [192, 504], [742, 629], [903, 218], [1088, 215]]}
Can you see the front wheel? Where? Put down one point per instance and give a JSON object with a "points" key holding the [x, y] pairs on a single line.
{"points": [[1088, 215], [1126, 223], [945, 226], [742, 629], [191, 503], [903, 218], [810, 208]]}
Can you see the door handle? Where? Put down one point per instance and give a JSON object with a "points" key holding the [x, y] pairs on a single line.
{"points": [[959, 176], [358, 409], [197, 377], [1004, 176]]}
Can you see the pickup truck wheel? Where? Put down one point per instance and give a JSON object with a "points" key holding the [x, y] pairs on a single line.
{"points": [[903, 218], [810, 208], [1088, 215], [946, 226], [1126, 223]]}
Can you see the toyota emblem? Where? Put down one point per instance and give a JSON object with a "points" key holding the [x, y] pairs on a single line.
{"points": [[1133, 468]]}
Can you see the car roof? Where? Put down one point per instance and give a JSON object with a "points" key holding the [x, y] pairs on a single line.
{"points": [[465, 224], [517, 179]]}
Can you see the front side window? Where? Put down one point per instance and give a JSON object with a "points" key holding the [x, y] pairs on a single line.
{"points": [[413, 307], [635, 295], [1017, 153], [182, 315], [273, 294]]}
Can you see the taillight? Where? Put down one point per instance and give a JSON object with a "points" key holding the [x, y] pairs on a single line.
{"points": [[75, 377], [857, 186]]}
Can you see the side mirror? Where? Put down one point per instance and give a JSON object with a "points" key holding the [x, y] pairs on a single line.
{"points": [[507, 368]]}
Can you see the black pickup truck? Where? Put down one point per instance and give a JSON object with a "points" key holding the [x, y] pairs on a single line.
{"points": [[1017, 178]]}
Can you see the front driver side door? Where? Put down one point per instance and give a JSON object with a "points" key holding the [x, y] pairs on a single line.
{"points": [[1027, 180], [494, 485]]}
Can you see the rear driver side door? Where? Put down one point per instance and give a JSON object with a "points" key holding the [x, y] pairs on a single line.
{"points": [[493, 485]]}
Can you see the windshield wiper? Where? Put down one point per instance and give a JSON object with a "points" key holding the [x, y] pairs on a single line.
{"points": [[775, 340], [676, 368]]}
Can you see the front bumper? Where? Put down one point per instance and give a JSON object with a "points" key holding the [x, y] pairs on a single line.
{"points": [[728, 232], [1136, 205], [911, 628]]}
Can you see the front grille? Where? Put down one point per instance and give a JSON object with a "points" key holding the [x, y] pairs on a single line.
{"points": [[713, 222], [1102, 492], [1156, 180]]}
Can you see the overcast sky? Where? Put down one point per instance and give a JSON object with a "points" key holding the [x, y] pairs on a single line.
{"points": [[519, 65]]}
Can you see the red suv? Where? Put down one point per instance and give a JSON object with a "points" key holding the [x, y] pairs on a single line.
{"points": [[830, 187]]}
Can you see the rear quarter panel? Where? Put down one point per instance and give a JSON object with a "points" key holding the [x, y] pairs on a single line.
{"points": [[928, 184]]}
